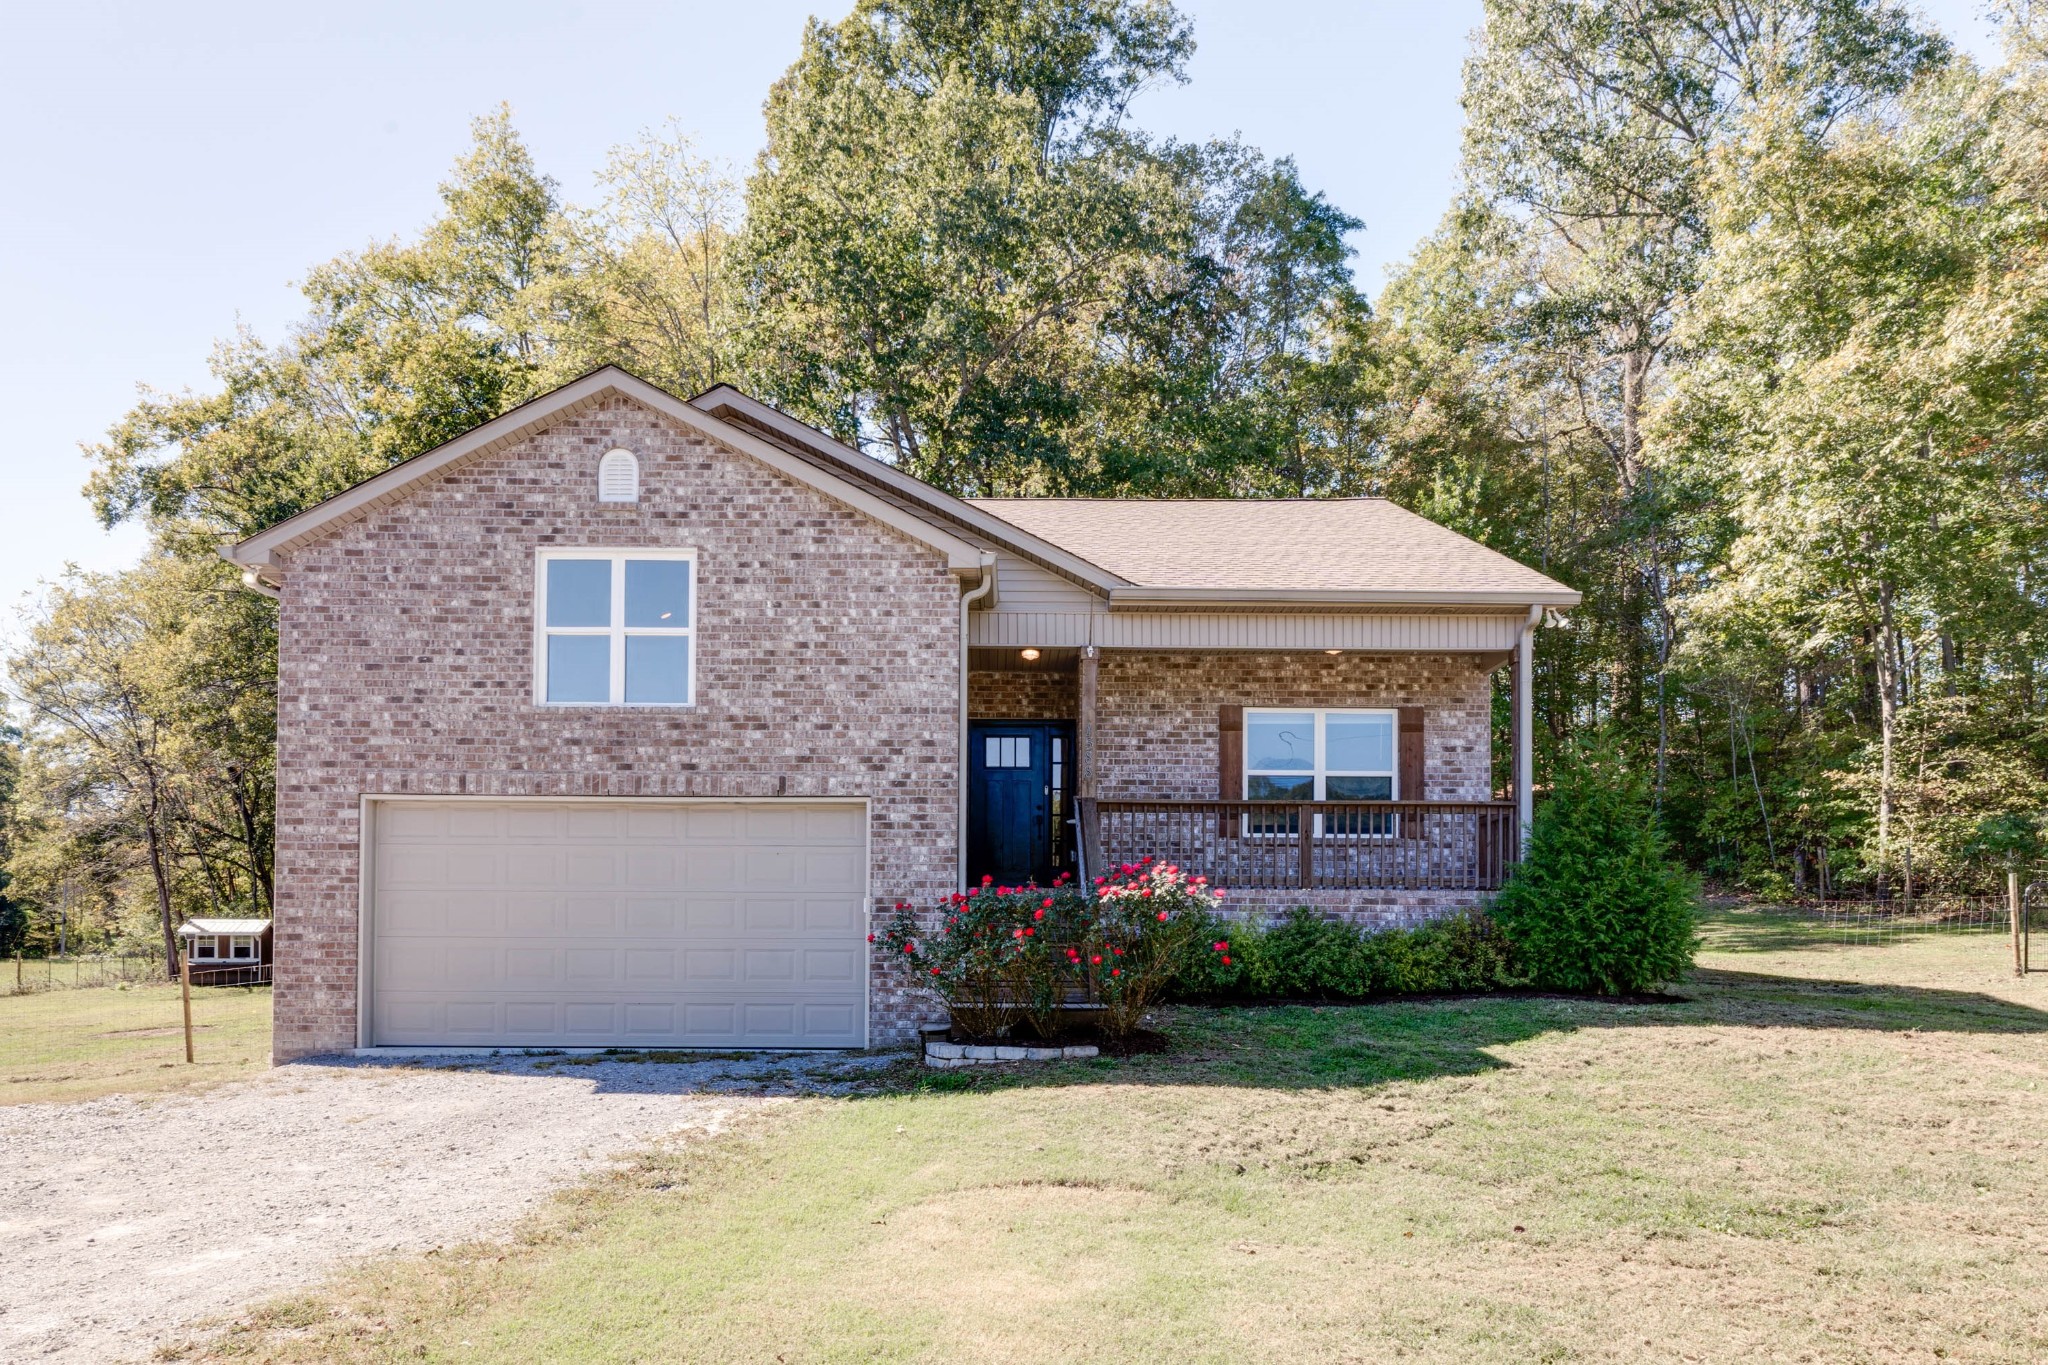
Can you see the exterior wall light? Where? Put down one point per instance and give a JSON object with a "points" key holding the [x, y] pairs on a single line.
{"points": [[1333, 651], [1028, 653]]}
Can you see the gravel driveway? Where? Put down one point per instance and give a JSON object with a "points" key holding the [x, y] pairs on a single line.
{"points": [[123, 1219]]}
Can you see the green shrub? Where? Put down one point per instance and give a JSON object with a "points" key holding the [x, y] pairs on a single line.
{"points": [[1304, 956], [1598, 904]]}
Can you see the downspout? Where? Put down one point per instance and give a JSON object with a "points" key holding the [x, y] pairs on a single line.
{"points": [[1525, 717], [967, 601]]}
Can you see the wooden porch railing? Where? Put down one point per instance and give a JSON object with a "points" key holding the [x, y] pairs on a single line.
{"points": [[1309, 845]]}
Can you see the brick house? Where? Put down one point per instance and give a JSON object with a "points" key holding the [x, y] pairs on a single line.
{"points": [[615, 721]]}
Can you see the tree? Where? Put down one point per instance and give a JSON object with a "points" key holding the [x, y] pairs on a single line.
{"points": [[405, 347], [1590, 125], [150, 704], [1854, 390], [645, 278]]}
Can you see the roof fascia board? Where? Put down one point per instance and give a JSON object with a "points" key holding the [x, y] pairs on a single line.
{"points": [[260, 550], [1143, 598], [858, 465]]}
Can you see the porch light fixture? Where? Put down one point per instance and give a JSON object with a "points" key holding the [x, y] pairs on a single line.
{"points": [[1333, 651], [1027, 654]]}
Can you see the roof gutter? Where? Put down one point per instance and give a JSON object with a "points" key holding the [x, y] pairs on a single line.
{"points": [[252, 573], [1223, 599]]}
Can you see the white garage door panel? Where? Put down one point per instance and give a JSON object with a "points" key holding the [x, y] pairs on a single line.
{"points": [[631, 924]]}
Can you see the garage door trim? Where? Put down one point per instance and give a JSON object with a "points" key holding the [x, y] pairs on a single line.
{"points": [[366, 847]]}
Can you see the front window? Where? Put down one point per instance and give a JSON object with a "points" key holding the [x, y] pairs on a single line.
{"points": [[616, 627], [1319, 756], [205, 947], [241, 947]]}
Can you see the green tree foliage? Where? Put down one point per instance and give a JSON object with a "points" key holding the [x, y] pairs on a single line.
{"points": [[959, 253], [1857, 394], [1598, 902], [150, 699]]}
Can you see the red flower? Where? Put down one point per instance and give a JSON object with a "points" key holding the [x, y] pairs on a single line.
{"points": [[988, 881], [1016, 933], [1226, 962], [871, 938], [1147, 858], [1118, 951], [1096, 960], [1127, 869], [1162, 917], [910, 947], [1225, 945], [1029, 932], [1100, 880], [902, 905], [1038, 914], [1116, 971], [1047, 902], [935, 970]]}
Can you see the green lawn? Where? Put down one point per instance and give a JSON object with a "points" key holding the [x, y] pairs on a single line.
{"points": [[82, 1043], [1829, 1153]]}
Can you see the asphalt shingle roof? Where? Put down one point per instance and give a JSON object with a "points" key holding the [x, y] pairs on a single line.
{"points": [[1297, 544]]}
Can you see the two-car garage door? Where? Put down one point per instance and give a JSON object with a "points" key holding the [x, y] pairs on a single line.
{"points": [[616, 924]]}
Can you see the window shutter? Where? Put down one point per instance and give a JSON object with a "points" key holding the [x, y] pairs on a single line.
{"points": [[1408, 754], [1229, 762], [1230, 753]]}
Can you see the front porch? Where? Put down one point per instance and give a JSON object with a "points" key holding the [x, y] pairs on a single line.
{"points": [[1151, 760]]}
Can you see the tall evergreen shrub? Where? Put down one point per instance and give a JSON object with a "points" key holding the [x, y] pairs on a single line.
{"points": [[1598, 904]]}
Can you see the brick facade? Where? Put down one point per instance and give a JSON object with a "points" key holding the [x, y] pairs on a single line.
{"points": [[994, 694], [827, 665], [1156, 738]]}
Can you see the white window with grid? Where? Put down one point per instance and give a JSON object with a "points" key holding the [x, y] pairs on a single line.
{"points": [[1320, 755], [615, 628]]}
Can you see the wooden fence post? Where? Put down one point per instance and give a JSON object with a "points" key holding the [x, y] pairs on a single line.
{"points": [[185, 989], [2012, 903]]}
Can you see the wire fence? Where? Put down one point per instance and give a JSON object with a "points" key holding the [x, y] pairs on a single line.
{"points": [[33, 975], [75, 1027], [1896, 920]]}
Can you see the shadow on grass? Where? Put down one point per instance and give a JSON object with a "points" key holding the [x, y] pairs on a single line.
{"points": [[1299, 1046]]}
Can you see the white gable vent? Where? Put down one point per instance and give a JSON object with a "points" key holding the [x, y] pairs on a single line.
{"points": [[618, 477]]}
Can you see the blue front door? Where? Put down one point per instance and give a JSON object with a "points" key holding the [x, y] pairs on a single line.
{"points": [[1018, 777]]}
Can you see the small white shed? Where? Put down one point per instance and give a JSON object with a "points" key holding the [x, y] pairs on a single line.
{"points": [[227, 951]]}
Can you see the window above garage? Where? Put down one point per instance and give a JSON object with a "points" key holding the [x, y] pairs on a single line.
{"points": [[615, 627]]}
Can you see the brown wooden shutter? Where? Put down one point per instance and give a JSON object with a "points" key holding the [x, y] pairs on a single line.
{"points": [[1230, 753], [1408, 754], [1229, 764]]}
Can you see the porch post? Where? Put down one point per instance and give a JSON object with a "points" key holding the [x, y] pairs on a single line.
{"points": [[1084, 726], [1087, 826], [1524, 685]]}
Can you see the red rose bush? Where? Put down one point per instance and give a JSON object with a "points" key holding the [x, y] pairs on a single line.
{"points": [[1001, 955]]}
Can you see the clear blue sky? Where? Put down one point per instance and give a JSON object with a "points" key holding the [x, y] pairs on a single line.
{"points": [[167, 172]]}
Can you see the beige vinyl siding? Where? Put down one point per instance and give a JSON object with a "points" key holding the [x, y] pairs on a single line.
{"points": [[1232, 630], [1022, 586]]}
